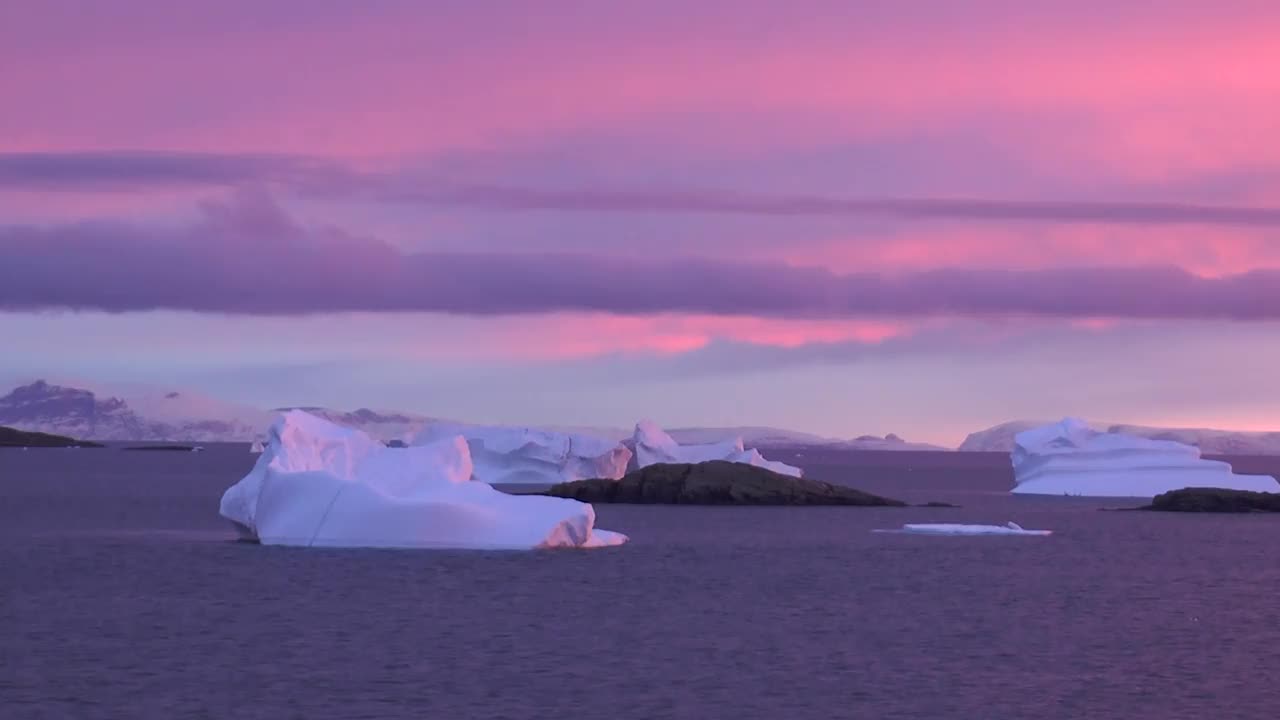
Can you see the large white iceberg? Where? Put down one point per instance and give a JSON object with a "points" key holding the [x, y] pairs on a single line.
{"points": [[654, 446], [319, 484], [527, 455], [1070, 458]]}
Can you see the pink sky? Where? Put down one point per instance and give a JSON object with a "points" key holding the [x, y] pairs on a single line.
{"points": [[382, 131]]}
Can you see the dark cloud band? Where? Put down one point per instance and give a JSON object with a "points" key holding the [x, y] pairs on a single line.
{"points": [[248, 257], [135, 170]]}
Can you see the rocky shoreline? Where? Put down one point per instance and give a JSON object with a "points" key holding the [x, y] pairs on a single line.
{"points": [[715, 483], [11, 437], [1215, 500]]}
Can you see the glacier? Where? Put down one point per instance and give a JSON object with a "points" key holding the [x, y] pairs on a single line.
{"points": [[516, 455], [654, 446], [318, 484], [1071, 458]]}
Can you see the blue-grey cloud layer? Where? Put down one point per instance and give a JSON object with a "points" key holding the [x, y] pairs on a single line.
{"points": [[248, 257], [324, 178]]}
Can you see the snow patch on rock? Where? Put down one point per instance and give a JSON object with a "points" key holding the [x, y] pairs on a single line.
{"points": [[654, 446]]}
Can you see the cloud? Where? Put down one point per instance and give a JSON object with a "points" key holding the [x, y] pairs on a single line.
{"points": [[248, 257], [140, 169], [1152, 213], [324, 178]]}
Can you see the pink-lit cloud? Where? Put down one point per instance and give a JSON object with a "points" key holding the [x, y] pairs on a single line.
{"points": [[561, 335], [699, 185], [405, 79], [1213, 253]]}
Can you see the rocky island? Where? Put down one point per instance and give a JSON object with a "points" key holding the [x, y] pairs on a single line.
{"points": [[717, 482], [1217, 500], [12, 437]]}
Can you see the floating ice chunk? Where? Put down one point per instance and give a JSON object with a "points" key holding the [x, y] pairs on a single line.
{"points": [[319, 484], [527, 455], [1010, 528], [1070, 458], [654, 446]]}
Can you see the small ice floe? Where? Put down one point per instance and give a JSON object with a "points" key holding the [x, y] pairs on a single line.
{"points": [[1011, 528]]}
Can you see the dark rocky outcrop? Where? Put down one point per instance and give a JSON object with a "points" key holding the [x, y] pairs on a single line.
{"points": [[1215, 500], [10, 437], [715, 483]]}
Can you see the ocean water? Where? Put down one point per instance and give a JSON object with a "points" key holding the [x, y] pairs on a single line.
{"points": [[122, 595]]}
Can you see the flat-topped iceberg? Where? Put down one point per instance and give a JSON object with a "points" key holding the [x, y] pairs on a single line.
{"points": [[319, 484], [526, 455], [654, 446], [1011, 528], [1070, 458]]}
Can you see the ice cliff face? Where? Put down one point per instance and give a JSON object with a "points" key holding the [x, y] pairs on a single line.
{"points": [[527, 455], [321, 485], [653, 446], [1070, 458]]}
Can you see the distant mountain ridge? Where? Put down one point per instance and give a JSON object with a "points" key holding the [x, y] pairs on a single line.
{"points": [[1000, 438], [44, 407], [153, 415]]}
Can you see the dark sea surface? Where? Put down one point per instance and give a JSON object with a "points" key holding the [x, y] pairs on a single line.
{"points": [[122, 595]]}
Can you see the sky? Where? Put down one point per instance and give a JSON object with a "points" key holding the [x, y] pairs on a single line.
{"points": [[923, 217]]}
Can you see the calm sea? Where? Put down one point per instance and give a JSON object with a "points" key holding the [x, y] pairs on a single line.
{"points": [[123, 596]]}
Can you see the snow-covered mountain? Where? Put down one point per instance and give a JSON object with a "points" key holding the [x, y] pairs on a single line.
{"points": [[889, 442], [759, 436], [776, 437], [147, 414], [1211, 442]]}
